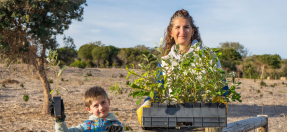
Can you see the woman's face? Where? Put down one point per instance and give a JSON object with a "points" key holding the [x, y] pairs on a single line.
{"points": [[182, 31]]}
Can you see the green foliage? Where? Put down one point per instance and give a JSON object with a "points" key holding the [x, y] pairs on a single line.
{"points": [[128, 128], [22, 85], [25, 97], [116, 114], [85, 51], [239, 48], [62, 79], [79, 64], [229, 59], [262, 84], [129, 56], [53, 64], [196, 78], [104, 54], [85, 79], [66, 55], [90, 64], [89, 73], [3, 85], [24, 24]]}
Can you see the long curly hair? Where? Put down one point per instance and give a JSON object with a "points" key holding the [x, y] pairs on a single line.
{"points": [[169, 41]]}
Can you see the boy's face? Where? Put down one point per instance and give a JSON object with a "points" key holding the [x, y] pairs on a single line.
{"points": [[100, 107]]}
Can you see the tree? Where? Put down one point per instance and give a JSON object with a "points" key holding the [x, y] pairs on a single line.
{"points": [[229, 59], [129, 55], [236, 46], [267, 60], [68, 53], [85, 51], [104, 53], [28, 28]]}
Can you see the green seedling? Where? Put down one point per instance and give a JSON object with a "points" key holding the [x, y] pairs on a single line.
{"points": [[116, 114], [21, 85], [3, 85], [53, 64], [85, 79], [195, 78]]}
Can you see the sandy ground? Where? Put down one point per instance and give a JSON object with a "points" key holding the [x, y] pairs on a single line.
{"points": [[18, 115]]}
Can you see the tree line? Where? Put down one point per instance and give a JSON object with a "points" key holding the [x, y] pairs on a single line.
{"points": [[235, 57]]}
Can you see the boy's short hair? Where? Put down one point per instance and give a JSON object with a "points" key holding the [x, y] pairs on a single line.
{"points": [[94, 93]]}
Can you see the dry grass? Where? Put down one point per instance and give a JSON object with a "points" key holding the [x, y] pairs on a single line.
{"points": [[17, 115]]}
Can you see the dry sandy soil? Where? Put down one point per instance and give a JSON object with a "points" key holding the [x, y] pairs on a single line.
{"points": [[17, 115]]}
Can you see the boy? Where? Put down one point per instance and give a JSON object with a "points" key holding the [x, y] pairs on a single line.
{"points": [[98, 104]]}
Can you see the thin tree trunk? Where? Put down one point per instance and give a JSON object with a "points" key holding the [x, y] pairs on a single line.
{"points": [[38, 63], [46, 90]]}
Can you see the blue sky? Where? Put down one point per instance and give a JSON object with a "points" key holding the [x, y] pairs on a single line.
{"points": [[259, 25]]}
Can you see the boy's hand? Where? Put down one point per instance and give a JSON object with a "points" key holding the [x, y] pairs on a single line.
{"points": [[114, 128], [58, 118]]}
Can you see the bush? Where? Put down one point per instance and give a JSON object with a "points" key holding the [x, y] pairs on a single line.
{"points": [[79, 64], [262, 83], [89, 73], [90, 64]]}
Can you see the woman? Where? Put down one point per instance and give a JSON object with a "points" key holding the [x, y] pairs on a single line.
{"points": [[182, 31]]}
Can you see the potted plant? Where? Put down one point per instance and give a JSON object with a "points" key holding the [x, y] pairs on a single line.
{"points": [[57, 108], [187, 94]]}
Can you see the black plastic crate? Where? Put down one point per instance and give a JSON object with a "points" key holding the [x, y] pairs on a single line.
{"points": [[184, 115]]}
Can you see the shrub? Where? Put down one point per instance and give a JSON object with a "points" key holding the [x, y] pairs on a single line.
{"points": [[262, 83], [90, 64], [3, 85], [79, 64], [89, 73], [127, 128]]}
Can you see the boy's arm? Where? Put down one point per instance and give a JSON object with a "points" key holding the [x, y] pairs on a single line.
{"points": [[62, 127]]}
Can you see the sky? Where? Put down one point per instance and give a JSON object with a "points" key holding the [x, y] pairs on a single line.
{"points": [[259, 25]]}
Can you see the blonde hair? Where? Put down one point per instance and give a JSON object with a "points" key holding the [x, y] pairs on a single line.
{"points": [[93, 93], [169, 41]]}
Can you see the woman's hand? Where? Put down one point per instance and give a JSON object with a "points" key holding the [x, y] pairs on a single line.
{"points": [[146, 104]]}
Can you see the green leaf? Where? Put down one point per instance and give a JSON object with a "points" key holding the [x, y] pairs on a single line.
{"points": [[60, 72], [151, 94], [52, 91], [112, 88], [134, 86], [58, 62], [139, 100], [64, 67], [159, 85]]}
